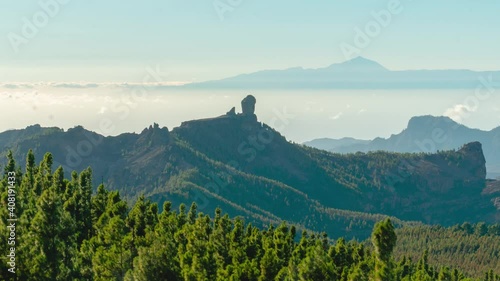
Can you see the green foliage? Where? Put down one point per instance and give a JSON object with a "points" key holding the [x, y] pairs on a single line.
{"points": [[74, 235], [342, 194], [473, 252], [384, 239]]}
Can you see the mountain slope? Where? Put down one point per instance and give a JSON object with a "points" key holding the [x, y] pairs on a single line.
{"points": [[472, 248], [427, 134], [249, 169], [358, 73]]}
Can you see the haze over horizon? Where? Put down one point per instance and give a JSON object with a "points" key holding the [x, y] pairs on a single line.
{"points": [[362, 114], [155, 76], [68, 63], [98, 41]]}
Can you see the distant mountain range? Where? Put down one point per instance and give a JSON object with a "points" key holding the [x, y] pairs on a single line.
{"points": [[249, 169], [424, 134], [358, 73]]}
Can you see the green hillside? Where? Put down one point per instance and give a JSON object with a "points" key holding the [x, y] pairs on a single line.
{"points": [[249, 169], [63, 232]]}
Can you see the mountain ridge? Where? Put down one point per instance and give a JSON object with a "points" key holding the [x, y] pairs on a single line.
{"points": [[357, 73], [426, 134], [235, 162]]}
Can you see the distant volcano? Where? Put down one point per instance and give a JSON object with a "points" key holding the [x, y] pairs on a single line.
{"points": [[358, 73]]}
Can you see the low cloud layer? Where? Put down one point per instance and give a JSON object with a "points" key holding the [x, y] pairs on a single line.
{"points": [[459, 112], [87, 85]]}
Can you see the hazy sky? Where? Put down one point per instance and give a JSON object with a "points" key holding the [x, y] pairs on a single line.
{"points": [[78, 62], [116, 40]]}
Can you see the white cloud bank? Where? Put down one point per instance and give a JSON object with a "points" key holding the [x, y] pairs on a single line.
{"points": [[459, 112]]}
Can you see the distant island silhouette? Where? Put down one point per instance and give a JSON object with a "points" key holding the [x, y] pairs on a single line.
{"points": [[358, 73]]}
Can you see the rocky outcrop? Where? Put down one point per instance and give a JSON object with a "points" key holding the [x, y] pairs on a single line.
{"points": [[228, 131], [474, 160], [231, 112], [427, 134], [439, 188], [153, 136], [242, 120], [248, 105]]}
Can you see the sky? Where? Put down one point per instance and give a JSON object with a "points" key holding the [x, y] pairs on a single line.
{"points": [[78, 62], [193, 40]]}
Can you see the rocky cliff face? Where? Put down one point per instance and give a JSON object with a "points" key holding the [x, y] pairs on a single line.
{"points": [[233, 137], [153, 136], [446, 172], [475, 162], [427, 134]]}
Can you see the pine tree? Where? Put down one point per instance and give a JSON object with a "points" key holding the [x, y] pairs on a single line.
{"points": [[99, 203], [384, 240], [158, 261], [236, 245], [269, 265], [113, 258], [43, 178], [53, 235], [317, 265], [445, 274], [27, 197]]}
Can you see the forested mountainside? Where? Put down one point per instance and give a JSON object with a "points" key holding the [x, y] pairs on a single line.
{"points": [[63, 232], [251, 170], [424, 134], [473, 248]]}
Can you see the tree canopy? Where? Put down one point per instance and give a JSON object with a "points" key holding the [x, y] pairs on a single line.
{"points": [[65, 231]]}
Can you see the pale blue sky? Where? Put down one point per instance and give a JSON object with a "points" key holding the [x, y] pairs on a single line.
{"points": [[115, 40]]}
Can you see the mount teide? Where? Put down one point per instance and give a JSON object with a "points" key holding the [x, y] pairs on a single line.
{"points": [[358, 73]]}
